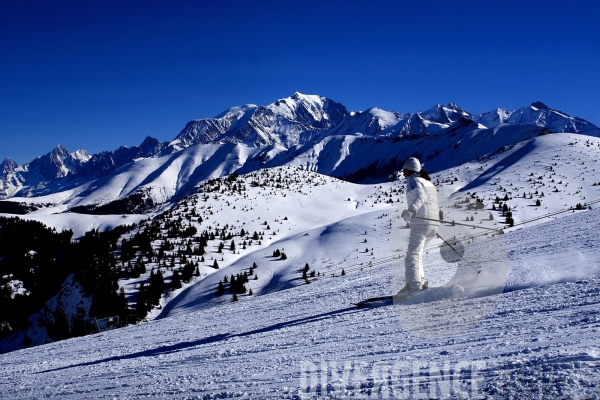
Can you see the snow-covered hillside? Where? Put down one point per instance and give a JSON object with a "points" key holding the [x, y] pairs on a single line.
{"points": [[539, 341], [301, 130], [276, 229]]}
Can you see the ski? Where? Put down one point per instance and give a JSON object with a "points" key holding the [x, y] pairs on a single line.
{"points": [[374, 300], [384, 299]]}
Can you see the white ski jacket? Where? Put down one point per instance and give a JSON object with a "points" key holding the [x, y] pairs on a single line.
{"points": [[421, 197]]}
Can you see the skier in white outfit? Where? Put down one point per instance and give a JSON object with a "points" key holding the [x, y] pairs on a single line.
{"points": [[421, 196]]}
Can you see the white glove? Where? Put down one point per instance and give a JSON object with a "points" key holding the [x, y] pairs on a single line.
{"points": [[407, 215]]}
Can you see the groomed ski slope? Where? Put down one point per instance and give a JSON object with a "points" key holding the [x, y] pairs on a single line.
{"points": [[540, 341]]}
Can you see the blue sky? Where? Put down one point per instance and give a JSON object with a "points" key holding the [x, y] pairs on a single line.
{"points": [[100, 74]]}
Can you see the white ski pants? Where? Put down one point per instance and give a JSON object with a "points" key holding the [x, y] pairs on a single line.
{"points": [[420, 235]]}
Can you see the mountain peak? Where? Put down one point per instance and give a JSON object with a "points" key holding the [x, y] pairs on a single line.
{"points": [[149, 141], [310, 98], [234, 111], [59, 149], [298, 95], [81, 155], [444, 114], [8, 166], [456, 107], [539, 105], [287, 122]]}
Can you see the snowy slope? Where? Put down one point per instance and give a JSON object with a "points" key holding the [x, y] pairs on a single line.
{"points": [[271, 345], [495, 176], [206, 346], [161, 178], [558, 170]]}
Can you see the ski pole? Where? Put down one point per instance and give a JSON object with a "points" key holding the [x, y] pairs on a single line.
{"points": [[460, 255], [458, 223]]}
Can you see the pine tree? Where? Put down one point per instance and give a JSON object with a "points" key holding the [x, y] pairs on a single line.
{"points": [[220, 289], [123, 308], [233, 284], [216, 264], [175, 281], [140, 304]]}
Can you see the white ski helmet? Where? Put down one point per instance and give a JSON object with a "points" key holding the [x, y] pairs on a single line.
{"points": [[412, 164]]}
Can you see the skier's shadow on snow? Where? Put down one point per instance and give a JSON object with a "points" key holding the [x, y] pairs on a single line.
{"points": [[208, 340], [147, 353]]}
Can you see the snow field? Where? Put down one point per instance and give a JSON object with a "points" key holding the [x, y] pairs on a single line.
{"points": [[546, 322], [256, 349]]}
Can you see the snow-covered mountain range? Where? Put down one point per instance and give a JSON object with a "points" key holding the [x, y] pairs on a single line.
{"points": [[308, 131]]}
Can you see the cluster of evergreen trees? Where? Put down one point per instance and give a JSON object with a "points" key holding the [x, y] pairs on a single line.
{"points": [[279, 254], [37, 256], [42, 259], [313, 273], [98, 271], [149, 295], [189, 270], [237, 283]]}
